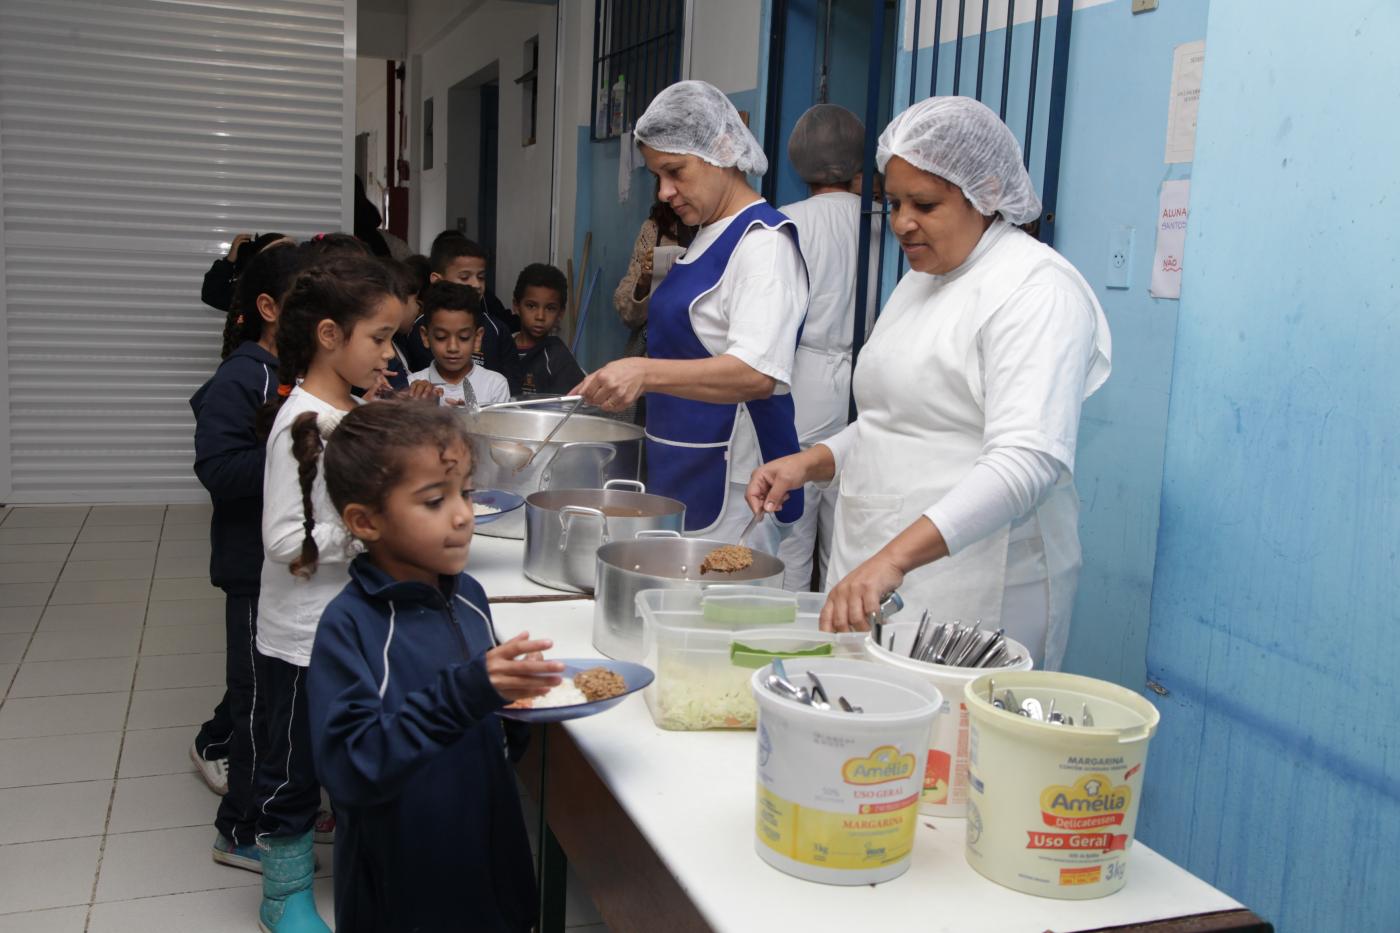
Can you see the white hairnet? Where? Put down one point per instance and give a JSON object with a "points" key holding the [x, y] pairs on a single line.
{"points": [[695, 118], [960, 140], [827, 145]]}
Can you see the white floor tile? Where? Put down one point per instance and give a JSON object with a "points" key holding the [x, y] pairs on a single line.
{"points": [[62, 678], [188, 514], [102, 534], [126, 515], [53, 811], [67, 644], [58, 516], [194, 531], [12, 645], [230, 909], [70, 715], [71, 592], [157, 751], [114, 550], [162, 672], [172, 568], [24, 594], [165, 801], [19, 619], [183, 639], [93, 615], [28, 553], [35, 572], [56, 920], [47, 874], [42, 535], [167, 861], [55, 759], [156, 709], [7, 674], [171, 549], [186, 612], [185, 588], [125, 569]]}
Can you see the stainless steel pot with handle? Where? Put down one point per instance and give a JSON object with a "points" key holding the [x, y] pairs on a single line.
{"points": [[565, 527], [586, 453], [657, 560]]}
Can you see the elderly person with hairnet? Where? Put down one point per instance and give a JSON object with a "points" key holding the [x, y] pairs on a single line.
{"points": [[826, 148], [956, 481], [722, 328]]}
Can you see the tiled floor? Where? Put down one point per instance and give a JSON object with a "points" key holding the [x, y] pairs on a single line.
{"points": [[111, 654]]}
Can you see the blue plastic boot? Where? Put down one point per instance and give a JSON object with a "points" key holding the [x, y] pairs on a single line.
{"points": [[288, 905]]}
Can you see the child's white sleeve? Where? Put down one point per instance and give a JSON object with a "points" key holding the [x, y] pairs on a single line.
{"points": [[284, 516]]}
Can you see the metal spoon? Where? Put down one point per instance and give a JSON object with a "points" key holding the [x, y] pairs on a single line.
{"points": [[819, 698], [1031, 707], [846, 705], [1085, 716], [515, 456]]}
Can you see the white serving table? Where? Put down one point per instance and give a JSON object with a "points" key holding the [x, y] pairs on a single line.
{"points": [[660, 825]]}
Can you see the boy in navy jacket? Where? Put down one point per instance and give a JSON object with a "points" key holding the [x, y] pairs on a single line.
{"points": [[406, 676]]}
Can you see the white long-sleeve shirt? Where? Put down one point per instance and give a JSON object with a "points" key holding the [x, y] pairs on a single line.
{"points": [[289, 607]]}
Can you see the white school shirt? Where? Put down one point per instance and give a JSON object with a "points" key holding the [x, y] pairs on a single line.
{"points": [[753, 314], [489, 386], [290, 607]]}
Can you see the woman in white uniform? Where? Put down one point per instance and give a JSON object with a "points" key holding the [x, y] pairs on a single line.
{"points": [[722, 328], [956, 480], [826, 148]]}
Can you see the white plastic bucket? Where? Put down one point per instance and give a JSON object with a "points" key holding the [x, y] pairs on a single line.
{"points": [[838, 792], [1052, 808], [945, 774]]}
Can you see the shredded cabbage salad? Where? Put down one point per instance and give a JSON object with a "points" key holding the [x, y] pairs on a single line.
{"points": [[691, 697]]}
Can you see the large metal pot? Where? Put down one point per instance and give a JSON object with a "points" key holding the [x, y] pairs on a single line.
{"points": [[657, 560], [565, 527], [586, 453]]}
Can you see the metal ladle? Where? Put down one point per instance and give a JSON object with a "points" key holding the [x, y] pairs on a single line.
{"points": [[515, 456]]}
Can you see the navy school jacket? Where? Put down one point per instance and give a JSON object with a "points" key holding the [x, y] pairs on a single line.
{"points": [[228, 459], [429, 831], [547, 368]]}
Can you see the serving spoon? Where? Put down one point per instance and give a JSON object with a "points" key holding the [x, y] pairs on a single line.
{"points": [[515, 456]]}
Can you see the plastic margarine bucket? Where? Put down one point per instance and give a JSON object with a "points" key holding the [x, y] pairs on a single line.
{"points": [[838, 792], [945, 774], [1052, 808]]}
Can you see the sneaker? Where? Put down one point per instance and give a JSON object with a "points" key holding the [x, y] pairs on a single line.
{"points": [[214, 772], [325, 827], [247, 857]]}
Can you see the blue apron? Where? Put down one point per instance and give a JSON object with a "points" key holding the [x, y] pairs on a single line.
{"points": [[688, 441]]}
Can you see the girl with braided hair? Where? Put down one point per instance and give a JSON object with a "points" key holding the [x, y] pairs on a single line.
{"points": [[335, 335]]}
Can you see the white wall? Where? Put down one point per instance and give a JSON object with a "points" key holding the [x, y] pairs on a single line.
{"points": [[723, 43], [449, 41], [371, 90]]}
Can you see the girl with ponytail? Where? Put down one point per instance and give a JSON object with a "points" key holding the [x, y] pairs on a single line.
{"points": [[335, 335]]}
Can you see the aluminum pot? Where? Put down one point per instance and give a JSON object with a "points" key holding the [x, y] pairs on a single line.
{"points": [[586, 453], [565, 527], [657, 560]]}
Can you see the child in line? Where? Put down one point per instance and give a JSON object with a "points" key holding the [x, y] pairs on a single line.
{"points": [[546, 367], [409, 352], [460, 261], [229, 457], [405, 679], [451, 327], [335, 334]]}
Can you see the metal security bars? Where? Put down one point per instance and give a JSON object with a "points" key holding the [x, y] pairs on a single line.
{"points": [[636, 53]]}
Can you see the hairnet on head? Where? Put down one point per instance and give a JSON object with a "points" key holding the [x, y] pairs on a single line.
{"points": [[963, 142], [827, 145], [696, 118]]}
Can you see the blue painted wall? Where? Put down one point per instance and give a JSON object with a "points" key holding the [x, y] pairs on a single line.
{"points": [[1110, 174], [1276, 603]]}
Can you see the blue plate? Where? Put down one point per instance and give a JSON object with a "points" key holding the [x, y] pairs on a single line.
{"points": [[496, 498], [636, 676]]}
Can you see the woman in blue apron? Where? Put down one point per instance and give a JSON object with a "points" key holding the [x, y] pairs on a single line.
{"points": [[723, 326]]}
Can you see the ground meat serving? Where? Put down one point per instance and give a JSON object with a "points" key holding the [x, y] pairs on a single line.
{"points": [[727, 559], [599, 683]]}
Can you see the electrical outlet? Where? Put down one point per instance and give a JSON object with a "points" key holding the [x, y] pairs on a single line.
{"points": [[1120, 257], [1144, 6]]}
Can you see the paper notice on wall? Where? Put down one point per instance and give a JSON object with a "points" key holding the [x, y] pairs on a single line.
{"points": [[1172, 212], [1188, 66], [625, 164]]}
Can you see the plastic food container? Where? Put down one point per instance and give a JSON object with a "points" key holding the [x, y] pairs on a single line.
{"points": [[1052, 808], [838, 792], [945, 775], [704, 646]]}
